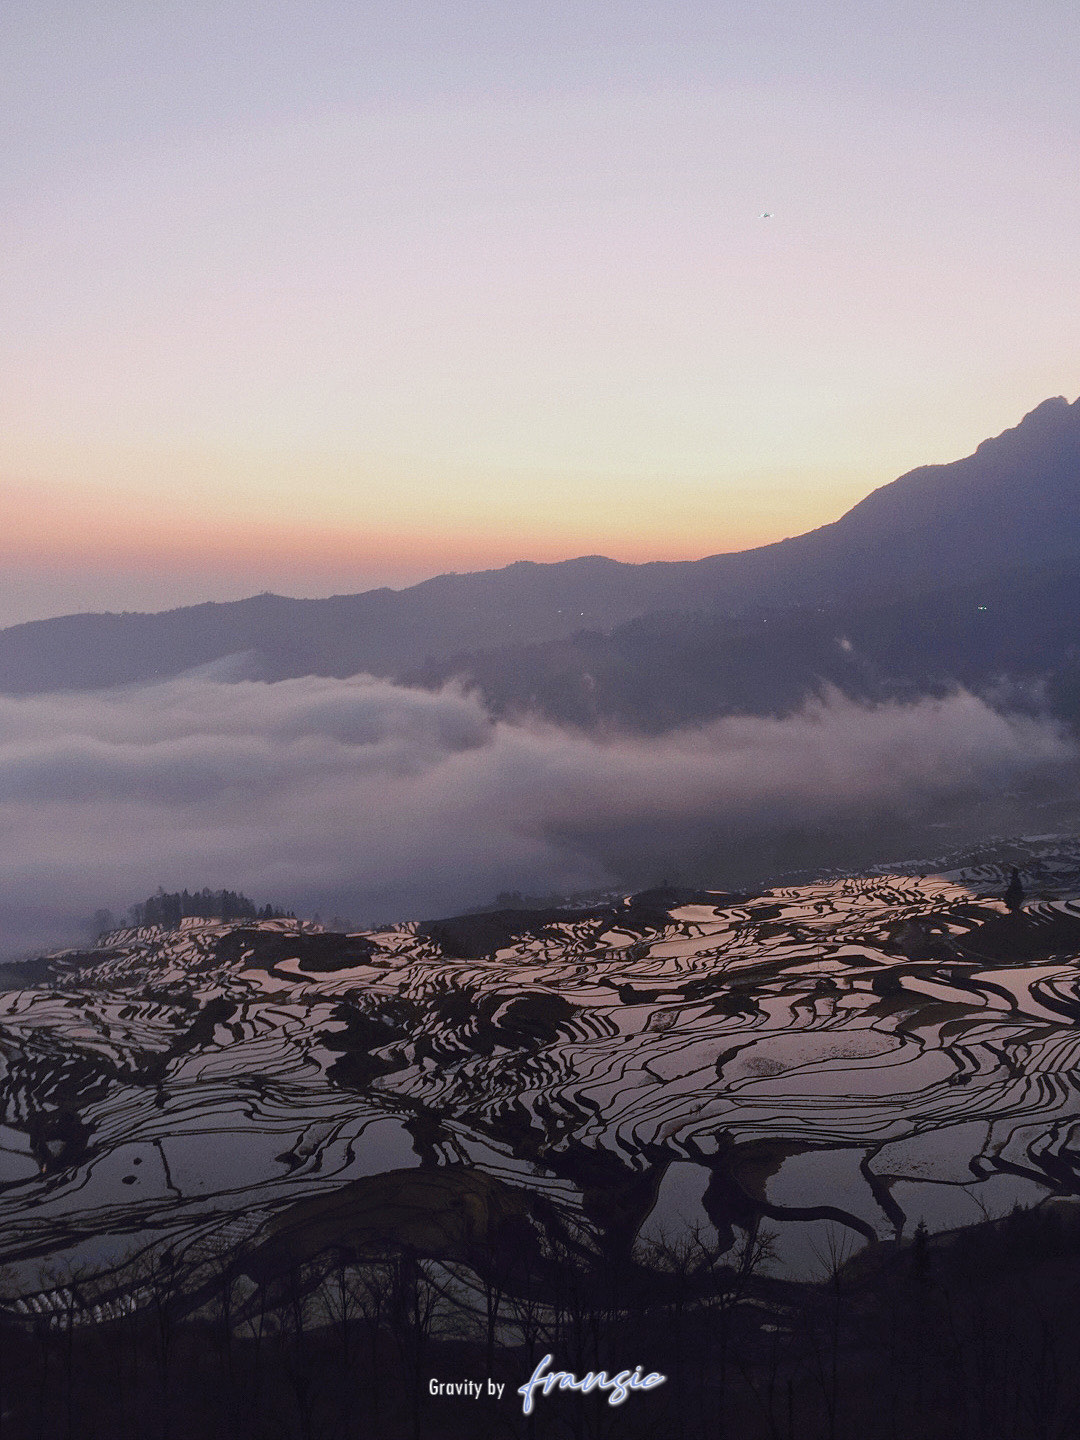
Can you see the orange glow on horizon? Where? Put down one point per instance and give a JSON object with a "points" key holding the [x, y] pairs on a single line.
{"points": [[66, 529], [308, 550]]}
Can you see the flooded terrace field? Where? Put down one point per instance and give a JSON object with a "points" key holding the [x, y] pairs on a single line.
{"points": [[848, 1057]]}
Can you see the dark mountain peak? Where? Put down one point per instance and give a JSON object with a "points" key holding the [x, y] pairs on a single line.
{"points": [[1052, 423], [982, 499], [1054, 407]]}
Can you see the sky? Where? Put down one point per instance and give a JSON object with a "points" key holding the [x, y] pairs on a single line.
{"points": [[317, 296]]}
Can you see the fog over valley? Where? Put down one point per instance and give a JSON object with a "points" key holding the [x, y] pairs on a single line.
{"points": [[887, 687], [365, 799]]}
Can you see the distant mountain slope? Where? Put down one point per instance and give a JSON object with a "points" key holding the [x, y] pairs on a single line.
{"points": [[1015, 502], [1012, 636], [379, 631]]}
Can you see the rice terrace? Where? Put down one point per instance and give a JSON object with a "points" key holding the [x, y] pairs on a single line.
{"points": [[673, 1095]]}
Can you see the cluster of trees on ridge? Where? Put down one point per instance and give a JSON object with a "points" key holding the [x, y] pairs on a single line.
{"points": [[168, 908]]}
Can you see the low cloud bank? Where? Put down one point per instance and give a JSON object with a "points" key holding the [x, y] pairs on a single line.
{"points": [[366, 799]]}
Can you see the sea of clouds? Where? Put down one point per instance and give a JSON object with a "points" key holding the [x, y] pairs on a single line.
{"points": [[367, 799]]}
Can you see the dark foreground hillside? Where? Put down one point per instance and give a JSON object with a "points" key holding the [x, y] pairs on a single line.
{"points": [[973, 1335]]}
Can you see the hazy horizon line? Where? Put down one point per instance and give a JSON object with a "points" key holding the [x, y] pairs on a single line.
{"points": [[409, 581]]}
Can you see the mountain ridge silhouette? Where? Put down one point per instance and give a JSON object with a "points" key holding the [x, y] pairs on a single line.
{"points": [[1014, 502]]}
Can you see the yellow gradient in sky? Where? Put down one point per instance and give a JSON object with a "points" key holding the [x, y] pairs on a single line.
{"points": [[306, 298]]}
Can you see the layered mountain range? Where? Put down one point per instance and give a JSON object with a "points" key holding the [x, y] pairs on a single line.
{"points": [[964, 573]]}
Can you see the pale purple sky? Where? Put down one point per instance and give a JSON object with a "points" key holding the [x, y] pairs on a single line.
{"points": [[315, 296]]}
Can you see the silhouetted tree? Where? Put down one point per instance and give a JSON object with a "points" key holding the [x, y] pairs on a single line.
{"points": [[1014, 892], [167, 909]]}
